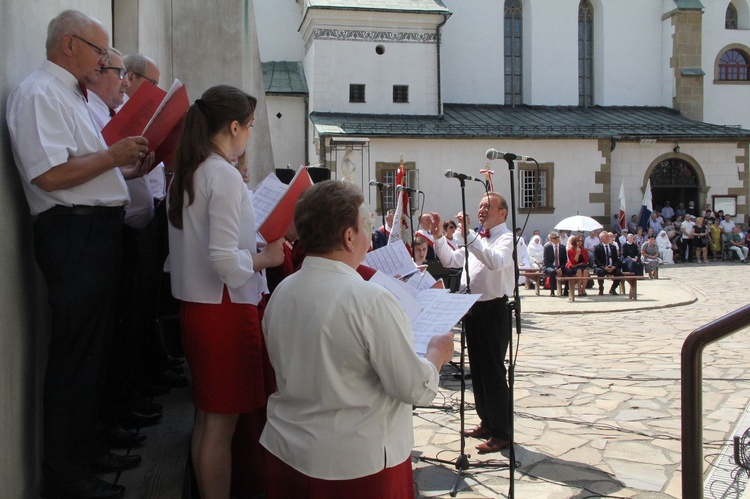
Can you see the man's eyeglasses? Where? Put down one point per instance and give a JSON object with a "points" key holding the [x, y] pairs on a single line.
{"points": [[150, 80], [120, 71], [103, 54]]}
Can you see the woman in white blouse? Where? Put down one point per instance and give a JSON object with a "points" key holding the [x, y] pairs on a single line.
{"points": [[215, 271]]}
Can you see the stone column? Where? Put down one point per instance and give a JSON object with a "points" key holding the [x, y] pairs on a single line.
{"points": [[217, 43], [686, 61]]}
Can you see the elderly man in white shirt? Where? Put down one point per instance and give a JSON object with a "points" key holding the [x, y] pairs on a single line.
{"points": [[75, 186]]}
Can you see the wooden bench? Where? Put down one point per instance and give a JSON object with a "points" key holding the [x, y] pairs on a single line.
{"points": [[535, 275], [626, 277]]}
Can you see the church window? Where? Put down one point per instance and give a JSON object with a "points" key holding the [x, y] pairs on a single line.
{"points": [[356, 92], [585, 54], [731, 17], [733, 66], [513, 49]]}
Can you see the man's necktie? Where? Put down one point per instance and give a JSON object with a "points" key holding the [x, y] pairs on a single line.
{"points": [[606, 250], [557, 256], [84, 90]]}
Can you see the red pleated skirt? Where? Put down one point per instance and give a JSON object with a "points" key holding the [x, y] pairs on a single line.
{"points": [[283, 482], [224, 348]]}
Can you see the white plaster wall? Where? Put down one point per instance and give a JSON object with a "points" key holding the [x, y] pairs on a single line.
{"points": [[628, 53], [552, 55], [337, 64], [287, 132], [277, 22], [723, 104], [23, 307], [472, 53]]}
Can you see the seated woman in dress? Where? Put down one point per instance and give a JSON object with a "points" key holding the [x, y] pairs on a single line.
{"points": [[650, 256], [340, 424], [665, 247], [631, 256], [578, 262]]}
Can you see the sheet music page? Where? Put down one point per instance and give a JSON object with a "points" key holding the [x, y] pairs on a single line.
{"points": [[421, 280], [266, 195], [392, 259], [405, 295], [441, 311]]}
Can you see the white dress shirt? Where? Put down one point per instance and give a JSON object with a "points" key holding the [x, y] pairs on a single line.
{"points": [[217, 242], [140, 211], [49, 122], [491, 266], [346, 372]]}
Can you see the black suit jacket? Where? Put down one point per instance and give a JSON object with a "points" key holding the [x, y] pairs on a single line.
{"points": [[600, 257], [549, 256]]}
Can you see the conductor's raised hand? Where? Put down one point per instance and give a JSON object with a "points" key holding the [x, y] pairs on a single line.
{"points": [[436, 225], [128, 151]]}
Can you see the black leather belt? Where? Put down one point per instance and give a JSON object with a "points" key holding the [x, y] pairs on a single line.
{"points": [[117, 212]]}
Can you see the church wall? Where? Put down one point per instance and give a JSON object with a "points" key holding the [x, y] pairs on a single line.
{"points": [[288, 131], [470, 75], [338, 63], [277, 24], [23, 306]]}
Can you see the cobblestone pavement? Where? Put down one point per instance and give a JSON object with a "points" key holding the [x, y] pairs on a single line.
{"points": [[597, 393]]}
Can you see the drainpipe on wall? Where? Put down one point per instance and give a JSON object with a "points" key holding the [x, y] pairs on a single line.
{"points": [[308, 123], [439, 80]]}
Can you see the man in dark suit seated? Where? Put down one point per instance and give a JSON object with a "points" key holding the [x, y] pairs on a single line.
{"points": [[607, 262], [555, 262]]}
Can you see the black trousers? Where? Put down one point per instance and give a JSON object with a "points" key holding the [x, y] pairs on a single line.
{"points": [[487, 336], [80, 259], [601, 273]]}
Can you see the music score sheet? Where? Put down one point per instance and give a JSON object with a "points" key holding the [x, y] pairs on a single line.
{"points": [[430, 311], [266, 196], [392, 259]]}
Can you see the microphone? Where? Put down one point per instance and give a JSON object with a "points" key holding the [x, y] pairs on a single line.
{"points": [[375, 183], [461, 176], [508, 156], [407, 189]]}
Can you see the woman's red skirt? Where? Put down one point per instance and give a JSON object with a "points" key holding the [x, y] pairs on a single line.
{"points": [[283, 482], [224, 348]]}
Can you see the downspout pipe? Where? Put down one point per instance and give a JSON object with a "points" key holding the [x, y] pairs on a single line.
{"points": [[439, 78]]}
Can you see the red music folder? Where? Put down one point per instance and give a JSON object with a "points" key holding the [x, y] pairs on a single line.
{"points": [[155, 114], [282, 215]]}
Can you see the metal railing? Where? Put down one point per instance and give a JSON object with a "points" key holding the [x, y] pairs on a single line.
{"points": [[692, 395]]}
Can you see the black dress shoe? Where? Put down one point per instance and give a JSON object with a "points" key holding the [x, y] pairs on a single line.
{"points": [[124, 438], [110, 463], [601, 292], [88, 488], [613, 292], [133, 419]]}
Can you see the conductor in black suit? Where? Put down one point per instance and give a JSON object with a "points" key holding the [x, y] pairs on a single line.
{"points": [[607, 262], [555, 262]]}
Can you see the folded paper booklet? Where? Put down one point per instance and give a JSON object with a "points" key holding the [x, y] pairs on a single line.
{"points": [[275, 204], [155, 114]]}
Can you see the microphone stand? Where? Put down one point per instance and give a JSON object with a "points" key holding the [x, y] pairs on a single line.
{"points": [[462, 462], [382, 203], [513, 306]]}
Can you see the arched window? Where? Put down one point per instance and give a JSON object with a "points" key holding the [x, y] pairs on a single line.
{"points": [[733, 66], [585, 54], [731, 17], [513, 48]]}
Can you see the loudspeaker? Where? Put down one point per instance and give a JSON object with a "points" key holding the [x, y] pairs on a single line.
{"points": [[319, 174], [285, 174]]}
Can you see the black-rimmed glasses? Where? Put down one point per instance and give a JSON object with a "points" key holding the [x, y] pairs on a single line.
{"points": [[103, 54], [150, 80], [120, 71]]}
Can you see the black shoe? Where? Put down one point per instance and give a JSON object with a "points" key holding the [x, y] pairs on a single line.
{"points": [[172, 379], [123, 438], [613, 292], [143, 406], [565, 293], [88, 488], [110, 463], [135, 419], [601, 291]]}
